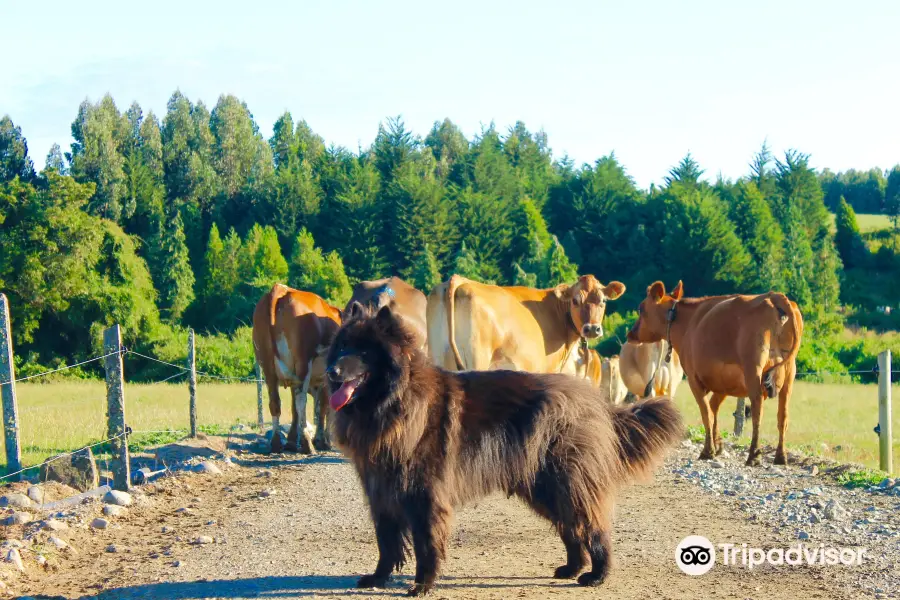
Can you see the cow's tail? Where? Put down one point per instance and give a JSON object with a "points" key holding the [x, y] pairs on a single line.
{"points": [[455, 282], [656, 365], [278, 292], [789, 315], [645, 431]]}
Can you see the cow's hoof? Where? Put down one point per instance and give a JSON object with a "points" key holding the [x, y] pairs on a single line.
{"points": [[566, 571], [418, 589], [590, 579], [372, 581], [277, 446], [754, 459], [321, 445], [307, 446], [291, 447], [780, 458], [705, 455]]}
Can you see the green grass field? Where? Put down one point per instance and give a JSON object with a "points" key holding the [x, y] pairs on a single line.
{"points": [[838, 415], [868, 222], [63, 416]]}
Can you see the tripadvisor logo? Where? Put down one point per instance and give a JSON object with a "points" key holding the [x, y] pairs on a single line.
{"points": [[696, 555]]}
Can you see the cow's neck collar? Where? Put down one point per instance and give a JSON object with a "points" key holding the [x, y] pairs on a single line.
{"points": [[671, 314]]}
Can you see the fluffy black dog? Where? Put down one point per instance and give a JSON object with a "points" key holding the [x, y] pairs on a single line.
{"points": [[425, 441]]}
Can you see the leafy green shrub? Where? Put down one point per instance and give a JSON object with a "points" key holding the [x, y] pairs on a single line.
{"points": [[615, 326]]}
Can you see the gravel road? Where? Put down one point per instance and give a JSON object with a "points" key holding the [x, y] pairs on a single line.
{"points": [[294, 527]]}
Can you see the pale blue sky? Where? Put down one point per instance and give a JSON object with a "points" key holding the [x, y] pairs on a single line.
{"points": [[649, 80]]}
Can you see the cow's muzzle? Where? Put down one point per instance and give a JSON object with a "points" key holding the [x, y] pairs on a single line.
{"points": [[592, 331]]}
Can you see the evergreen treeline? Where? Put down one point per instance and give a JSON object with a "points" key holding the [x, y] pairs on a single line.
{"points": [[186, 220]]}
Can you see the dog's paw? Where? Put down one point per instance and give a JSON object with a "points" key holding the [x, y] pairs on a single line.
{"points": [[590, 579], [371, 581], [418, 589], [566, 572]]}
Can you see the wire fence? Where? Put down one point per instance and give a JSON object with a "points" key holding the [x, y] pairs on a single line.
{"points": [[182, 370], [185, 370], [120, 435]]}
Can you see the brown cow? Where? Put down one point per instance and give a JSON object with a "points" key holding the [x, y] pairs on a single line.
{"points": [[291, 331], [646, 372], [405, 300], [477, 326], [729, 346]]}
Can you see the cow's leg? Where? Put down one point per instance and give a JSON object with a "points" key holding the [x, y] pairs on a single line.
{"points": [[784, 397], [276, 445], [754, 392], [714, 403], [322, 440], [301, 436], [701, 395]]}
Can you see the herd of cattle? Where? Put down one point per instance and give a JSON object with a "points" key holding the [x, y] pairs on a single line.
{"points": [[735, 345]]}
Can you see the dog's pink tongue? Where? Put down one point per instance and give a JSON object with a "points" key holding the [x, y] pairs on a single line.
{"points": [[342, 396]]}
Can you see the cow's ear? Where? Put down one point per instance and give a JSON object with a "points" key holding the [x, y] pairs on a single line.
{"points": [[614, 290], [563, 291], [354, 311], [678, 292], [656, 291]]}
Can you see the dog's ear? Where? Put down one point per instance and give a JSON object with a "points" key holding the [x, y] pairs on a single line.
{"points": [[354, 311], [385, 317]]}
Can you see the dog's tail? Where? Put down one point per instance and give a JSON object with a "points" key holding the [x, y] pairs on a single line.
{"points": [[645, 431]]}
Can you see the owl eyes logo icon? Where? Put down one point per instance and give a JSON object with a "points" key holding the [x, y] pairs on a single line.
{"points": [[695, 555]]}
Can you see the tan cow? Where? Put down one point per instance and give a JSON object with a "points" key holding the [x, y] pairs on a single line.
{"points": [[291, 331], [603, 373], [405, 300], [589, 365], [729, 346], [477, 326], [646, 372]]}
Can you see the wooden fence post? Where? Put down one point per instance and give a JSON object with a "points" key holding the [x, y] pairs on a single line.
{"points": [[885, 436], [192, 382], [739, 417], [8, 392], [115, 403], [260, 421]]}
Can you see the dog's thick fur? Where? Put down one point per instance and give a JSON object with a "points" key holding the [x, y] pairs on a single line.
{"points": [[425, 441]]}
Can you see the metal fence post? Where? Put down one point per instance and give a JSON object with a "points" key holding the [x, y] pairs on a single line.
{"points": [[739, 417], [8, 392], [192, 382], [885, 436], [260, 421], [115, 402]]}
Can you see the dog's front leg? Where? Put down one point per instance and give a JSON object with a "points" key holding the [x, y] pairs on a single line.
{"points": [[429, 520], [389, 533]]}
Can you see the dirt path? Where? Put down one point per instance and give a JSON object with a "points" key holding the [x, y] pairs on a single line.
{"points": [[298, 528]]}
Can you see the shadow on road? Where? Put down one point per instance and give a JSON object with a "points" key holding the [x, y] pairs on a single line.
{"points": [[298, 587], [258, 587], [285, 460]]}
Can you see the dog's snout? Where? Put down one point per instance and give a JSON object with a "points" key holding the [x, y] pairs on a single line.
{"points": [[334, 371]]}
